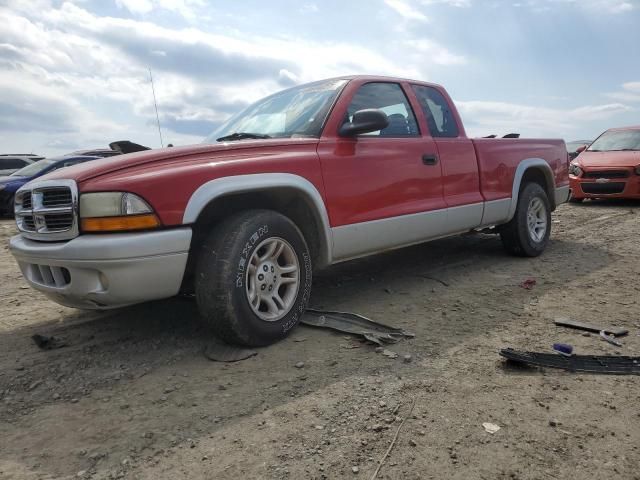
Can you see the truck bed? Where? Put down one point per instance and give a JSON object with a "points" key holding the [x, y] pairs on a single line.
{"points": [[498, 159]]}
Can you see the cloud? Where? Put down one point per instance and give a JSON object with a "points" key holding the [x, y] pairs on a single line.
{"points": [[594, 6], [483, 118], [309, 8], [86, 76], [630, 92], [452, 3], [29, 111], [94, 68], [188, 9], [437, 53], [136, 6], [405, 10]]}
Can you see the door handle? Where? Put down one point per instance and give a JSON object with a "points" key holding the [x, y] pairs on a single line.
{"points": [[430, 159]]}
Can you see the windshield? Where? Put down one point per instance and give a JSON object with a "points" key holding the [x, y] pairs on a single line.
{"points": [[32, 169], [616, 140], [299, 111]]}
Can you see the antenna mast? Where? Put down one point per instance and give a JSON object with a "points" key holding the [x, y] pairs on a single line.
{"points": [[155, 103]]}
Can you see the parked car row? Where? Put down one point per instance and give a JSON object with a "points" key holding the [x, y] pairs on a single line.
{"points": [[34, 166], [10, 185]]}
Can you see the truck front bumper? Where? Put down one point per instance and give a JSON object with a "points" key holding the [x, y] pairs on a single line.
{"points": [[108, 270]]}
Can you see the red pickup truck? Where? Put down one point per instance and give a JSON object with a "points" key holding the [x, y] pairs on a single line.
{"points": [[305, 178]]}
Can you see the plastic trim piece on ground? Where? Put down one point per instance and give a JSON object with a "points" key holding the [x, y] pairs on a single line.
{"points": [[354, 324]]}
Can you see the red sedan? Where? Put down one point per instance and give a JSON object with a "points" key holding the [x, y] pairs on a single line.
{"points": [[609, 167]]}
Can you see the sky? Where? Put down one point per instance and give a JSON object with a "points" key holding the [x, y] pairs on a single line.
{"points": [[75, 74]]}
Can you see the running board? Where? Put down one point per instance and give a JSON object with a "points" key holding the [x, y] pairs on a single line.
{"points": [[612, 365]]}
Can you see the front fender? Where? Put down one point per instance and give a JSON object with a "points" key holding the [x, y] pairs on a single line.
{"points": [[220, 187]]}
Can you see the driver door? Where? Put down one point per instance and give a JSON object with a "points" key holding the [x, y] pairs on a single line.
{"points": [[384, 188]]}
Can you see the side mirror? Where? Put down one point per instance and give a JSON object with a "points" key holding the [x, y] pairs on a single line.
{"points": [[365, 121], [582, 148]]}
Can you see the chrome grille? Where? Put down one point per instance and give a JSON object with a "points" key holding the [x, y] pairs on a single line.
{"points": [[58, 222], [56, 198], [26, 201], [48, 210], [29, 224]]}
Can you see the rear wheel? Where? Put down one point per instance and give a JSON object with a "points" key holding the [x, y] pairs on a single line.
{"points": [[527, 234], [253, 278]]}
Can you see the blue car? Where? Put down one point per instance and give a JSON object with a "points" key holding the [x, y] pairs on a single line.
{"points": [[9, 185]]}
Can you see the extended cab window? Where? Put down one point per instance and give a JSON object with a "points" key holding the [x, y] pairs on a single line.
{"points": [[436, 109], [389, 98]]}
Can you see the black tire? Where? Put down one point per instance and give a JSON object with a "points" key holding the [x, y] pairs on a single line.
{"points": [[220, 277], [515, 235], [8, 208], [573, 199]]}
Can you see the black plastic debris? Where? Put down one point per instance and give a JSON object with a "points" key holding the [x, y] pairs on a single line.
{"points": [[615, 331], [222, 352], [354, 324], [45, 342], [611, 365]]}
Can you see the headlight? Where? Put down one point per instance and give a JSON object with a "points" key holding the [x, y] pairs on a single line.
{"points": [[574, 169], [115, 211]]}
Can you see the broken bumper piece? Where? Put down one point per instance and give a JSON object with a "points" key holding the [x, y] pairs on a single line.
{"points": [[612, 365]]}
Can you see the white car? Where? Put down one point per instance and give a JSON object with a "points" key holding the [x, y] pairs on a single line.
{"points": [[12, 163]]}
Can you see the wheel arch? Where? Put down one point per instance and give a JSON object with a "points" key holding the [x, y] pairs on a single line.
{"points": [[288, 194], [532, 170]]}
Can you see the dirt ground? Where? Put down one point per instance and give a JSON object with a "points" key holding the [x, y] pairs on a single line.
{"points": [[132, 396]]}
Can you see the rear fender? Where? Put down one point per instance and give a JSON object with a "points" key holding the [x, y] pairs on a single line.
{"points": [[526, 165]]}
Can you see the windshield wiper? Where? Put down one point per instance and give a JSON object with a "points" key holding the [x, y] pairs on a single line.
{"points": [[625, 150], [241, 136]]}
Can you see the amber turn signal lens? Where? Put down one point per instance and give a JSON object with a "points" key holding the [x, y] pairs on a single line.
{"points": [[119, 224]]}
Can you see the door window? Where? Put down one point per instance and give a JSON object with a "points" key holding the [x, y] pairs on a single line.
{"points": [[436, 108], [11, 163], [389, 98]]}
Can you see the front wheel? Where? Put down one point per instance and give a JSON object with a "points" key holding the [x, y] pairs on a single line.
{"points": [[253, 278], [8, 208], [527, 234]]}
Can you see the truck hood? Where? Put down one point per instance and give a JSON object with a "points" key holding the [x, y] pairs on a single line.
{"points": [[609, 159], [217, 153]]}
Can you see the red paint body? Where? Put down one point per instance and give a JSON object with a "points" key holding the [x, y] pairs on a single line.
{"points": [[608, 172], [360, 179]]}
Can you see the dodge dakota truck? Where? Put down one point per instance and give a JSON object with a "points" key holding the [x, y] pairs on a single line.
{"points": [[308, 177]]}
